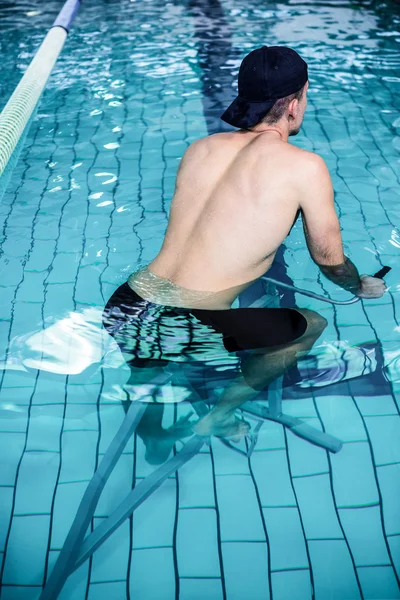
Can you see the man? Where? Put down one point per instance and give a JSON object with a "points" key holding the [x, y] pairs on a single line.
{"points": [[237, 196]]}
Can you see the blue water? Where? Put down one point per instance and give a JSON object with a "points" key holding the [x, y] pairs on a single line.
{"points": [[87, 204]]}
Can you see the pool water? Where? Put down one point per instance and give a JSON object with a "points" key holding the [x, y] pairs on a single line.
{"points": [[276, 516]]}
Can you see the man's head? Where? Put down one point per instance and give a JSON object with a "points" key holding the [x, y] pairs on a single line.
{"points": [[273, 84], [288, 111]]}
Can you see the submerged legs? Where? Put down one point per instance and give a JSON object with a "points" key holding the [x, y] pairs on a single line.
{"points": [[158, 440], [258, 370]]}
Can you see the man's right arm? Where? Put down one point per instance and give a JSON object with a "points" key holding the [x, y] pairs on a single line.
{"points": [[322, 228]]}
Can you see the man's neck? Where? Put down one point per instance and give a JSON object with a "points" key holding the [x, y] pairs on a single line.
{"points": [[278, 131]]}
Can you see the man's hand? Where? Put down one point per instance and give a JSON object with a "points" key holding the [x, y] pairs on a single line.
{"points": [[371, 287]]}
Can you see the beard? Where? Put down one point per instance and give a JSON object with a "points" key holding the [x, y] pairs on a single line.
{"points": [[295, 131]]}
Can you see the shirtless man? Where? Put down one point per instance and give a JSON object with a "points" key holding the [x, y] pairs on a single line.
{"points": [[237, 196]]}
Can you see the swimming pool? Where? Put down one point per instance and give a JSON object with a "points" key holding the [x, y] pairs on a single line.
{"points": [[87, 204]]}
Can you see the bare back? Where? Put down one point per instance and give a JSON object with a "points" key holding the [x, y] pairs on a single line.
{"points": [[235, 200]]}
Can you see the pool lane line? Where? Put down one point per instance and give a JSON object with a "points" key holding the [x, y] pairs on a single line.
{"points": [[17, 112]]}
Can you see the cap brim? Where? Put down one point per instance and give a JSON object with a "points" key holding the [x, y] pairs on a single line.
{"points": [[243, 114]]}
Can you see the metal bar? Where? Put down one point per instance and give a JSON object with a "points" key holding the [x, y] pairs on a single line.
{"points": [[297, 426], [72, 545], [135, 498], [311, 294]]}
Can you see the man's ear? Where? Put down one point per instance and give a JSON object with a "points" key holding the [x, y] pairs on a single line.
{"points": [[293, 108]]}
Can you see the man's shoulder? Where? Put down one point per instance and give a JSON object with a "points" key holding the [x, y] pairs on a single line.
{"points": [[213, 139], [197, 149], [315, 167], [302, 163], [310, 164], [311, 159], [200, 148], [305, 157]]}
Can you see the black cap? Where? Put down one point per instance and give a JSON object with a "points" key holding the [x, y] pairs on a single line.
{"points": [[265, 75]]}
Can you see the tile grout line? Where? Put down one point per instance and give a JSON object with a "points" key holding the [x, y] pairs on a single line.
{"points": [[38, 372], [264, 525], [310, 567], [374, 468]]}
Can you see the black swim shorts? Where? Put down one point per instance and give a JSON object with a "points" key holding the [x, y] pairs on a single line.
{"points": [[150, 334]]}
